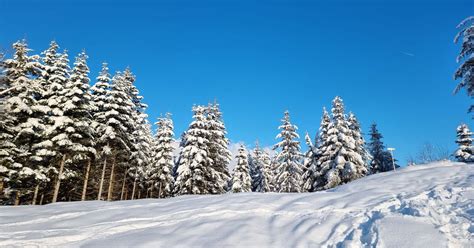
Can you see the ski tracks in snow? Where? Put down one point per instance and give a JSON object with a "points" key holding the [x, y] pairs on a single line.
{"points": [[446, 210]]}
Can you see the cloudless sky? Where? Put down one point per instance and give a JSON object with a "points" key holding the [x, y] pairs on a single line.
{"points": [[391, 61]]}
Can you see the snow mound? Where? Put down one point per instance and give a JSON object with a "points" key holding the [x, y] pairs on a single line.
{"points": [[421, 206]]}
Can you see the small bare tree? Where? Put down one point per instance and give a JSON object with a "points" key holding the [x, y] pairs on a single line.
{"points": [[429, 153]]}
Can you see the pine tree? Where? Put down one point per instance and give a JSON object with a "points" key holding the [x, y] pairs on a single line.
{"points": [[43, 151], [194, 169], [99, 93], [218, 149], [117, 113], [466, 56], [141, 136], [268, 178], [339, 161], [376, 148], [177, 162], [79, 108], [99, 99], [61, 128], [161, 172], [321, 147], [309, 163], [275, 171], [465, 151], [356, 132], [21, 123], [241, 181], [120, 122], [147, 144], [381, 159], [49, 59], [289, 159], [7, 147], [256, 169]]}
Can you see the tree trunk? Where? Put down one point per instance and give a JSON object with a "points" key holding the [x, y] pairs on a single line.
{"points": [[123, 185], [139, 194], [159, 191], [134, 186], [86, 179], [101, 184], [41, 199], [17, 198], [35, 196], [111, 181], [134, 183], [151, 192], [58, 182]]}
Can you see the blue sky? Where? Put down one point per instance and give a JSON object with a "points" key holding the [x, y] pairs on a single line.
{"points": [[391, 61]]}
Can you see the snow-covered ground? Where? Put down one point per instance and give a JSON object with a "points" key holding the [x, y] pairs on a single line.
{"points": [[421, 206]]}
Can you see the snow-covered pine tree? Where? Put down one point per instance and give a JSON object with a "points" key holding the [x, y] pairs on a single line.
{"points": [[6, 129], [268, 177], [356, 131], [47, 99], [21, 125], [120, 121], [141, 136], [177, 162], [3, 86], [256, 168], [321, 146], [376, 149], [193, 173], [465, 151], [99, 99], [149, 143], [99, 93], [289, 158], [309, 165], [49, 58], [241, 181], [61, 131], [339, 161], [465, 72], [118, 110], [79, 108], [218, 149], [275, 171], [263, 178], [161, 171]]}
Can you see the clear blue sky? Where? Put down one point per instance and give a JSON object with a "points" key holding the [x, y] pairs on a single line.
{"points": [[391, 61]]}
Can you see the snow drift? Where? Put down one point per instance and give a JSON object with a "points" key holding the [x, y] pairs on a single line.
{"points": [[422, 206]]}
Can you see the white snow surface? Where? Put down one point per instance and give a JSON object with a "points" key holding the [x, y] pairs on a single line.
{"points": [[420, 206]]}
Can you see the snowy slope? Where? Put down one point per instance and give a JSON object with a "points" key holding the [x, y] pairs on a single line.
{"points": [[422, 206]]}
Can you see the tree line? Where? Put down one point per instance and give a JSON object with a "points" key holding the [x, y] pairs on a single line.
{"points": [[65, 138]]}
